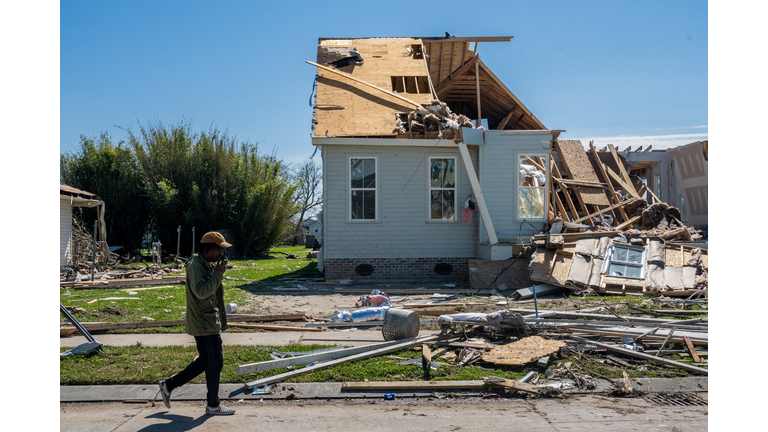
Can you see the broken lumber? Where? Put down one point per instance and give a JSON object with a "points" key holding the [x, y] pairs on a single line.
{"points": [[643, 356], [274, 327], [691, 349], [324, 365], [414, 385], [511, 384]]}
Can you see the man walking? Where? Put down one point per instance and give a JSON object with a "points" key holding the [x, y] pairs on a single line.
{"points": [[205, 320]]}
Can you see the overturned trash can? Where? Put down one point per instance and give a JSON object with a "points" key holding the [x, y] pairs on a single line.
{"points": [[400, 324]]}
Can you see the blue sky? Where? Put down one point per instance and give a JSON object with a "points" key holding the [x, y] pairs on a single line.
{"points": [[628, 73]]}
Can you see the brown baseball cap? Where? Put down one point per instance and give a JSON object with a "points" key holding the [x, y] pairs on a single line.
{"points": [[216, 238]]}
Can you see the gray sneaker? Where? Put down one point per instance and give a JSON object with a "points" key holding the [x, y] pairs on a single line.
{"points": [[165, 393], [219, 410]]}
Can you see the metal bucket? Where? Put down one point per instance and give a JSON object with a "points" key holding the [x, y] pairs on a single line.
{"points": [[400, 324]]}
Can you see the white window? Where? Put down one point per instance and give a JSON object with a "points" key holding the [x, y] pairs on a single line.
{"points": [[627, 262], [532, 187], [362, 189], [442, 188]]}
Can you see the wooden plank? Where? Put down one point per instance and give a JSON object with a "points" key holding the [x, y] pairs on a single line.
{"points": [[274, 327], [578, 167], [643, 356], [607, 179], [691, 349], [511, 384], [484, 214], [627, 187], [605, 210], [574, 212], [629, 222], [414, 385], [623, 171], [311, 358], [505, 120], [325, 365], [477, 84]]}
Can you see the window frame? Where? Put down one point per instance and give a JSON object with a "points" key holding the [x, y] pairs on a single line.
{"points": [[641, 265], [455, 189], [545, 158], [350, 189]]}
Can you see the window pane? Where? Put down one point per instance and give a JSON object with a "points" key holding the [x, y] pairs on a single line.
{"points": [[449, 173], [436, 173], [633, 272], [436, 204], [448, 204], [617, 270], [369, 205], [620, 254], [532, 202], [634, 256], [369, 173], [357, 205], [356, 173]]}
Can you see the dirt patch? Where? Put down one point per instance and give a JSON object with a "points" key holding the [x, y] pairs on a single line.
{"points": [[111, 310]]}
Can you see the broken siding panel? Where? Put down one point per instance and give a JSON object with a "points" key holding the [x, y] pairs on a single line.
{"points": [[402, 230], [498, 179], [65, 231]]}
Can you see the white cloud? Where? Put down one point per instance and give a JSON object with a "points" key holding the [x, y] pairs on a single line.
{"points": [[658, 142]]}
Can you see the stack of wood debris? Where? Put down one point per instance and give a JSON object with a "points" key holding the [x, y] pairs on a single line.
{"points": [[563, 352], [606, 237], [432, 121]]}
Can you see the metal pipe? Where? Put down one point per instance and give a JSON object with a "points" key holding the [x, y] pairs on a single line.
{"points": [[178, 243], [93, 261], [535, 301]]}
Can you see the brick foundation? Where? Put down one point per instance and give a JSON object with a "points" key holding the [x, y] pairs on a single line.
{"points": [[397, 269]]}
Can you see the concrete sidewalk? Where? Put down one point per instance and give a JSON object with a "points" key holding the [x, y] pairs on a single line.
{"points": [[328, 337]]}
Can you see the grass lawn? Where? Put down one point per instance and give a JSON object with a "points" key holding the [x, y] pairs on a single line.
{"points": [[169, 303]]}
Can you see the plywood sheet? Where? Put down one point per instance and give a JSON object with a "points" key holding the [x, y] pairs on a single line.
{"points": [[541, 264], [560, 270], [523, 351], [482, 274], [577, 164]]}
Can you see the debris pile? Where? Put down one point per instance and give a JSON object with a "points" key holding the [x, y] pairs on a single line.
{"points": [[606, 237], [432, 117]]}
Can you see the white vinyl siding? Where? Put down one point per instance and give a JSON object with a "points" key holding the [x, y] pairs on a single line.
{"points": [[65, 231], [499, 180], [402, 229]]}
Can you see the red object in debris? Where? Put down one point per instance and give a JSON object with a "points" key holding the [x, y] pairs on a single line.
{"points": [[378, 300], [490, 395]]}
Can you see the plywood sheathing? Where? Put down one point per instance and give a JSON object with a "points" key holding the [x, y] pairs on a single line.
{"points": [[347, 108], [579, 168], [523, 351]]}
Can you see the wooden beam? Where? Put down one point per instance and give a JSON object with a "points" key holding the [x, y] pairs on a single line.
{"points": [[691, 349], [414, 385], [622, 171], [511, 384], [486, 217], [350, 77], [605, 210], [426, 67], [273, 327], [643, 356], [627, 187], [566, 193], [505, 120], [324, 365], [607, 179], [469, 39], [648, 149], [477, 84], [629, 222]]}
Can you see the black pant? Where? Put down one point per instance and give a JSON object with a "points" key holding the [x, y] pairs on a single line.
{"points": [[210, 360]]}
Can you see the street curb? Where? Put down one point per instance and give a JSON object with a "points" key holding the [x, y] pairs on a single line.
{"points": [[332, 390]]}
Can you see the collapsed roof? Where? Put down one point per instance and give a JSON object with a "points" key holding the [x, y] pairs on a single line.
{"points": [[365, 85]]}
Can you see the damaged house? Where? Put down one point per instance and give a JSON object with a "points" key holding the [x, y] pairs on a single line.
{"points": [[432, 165], [405, 168], [69, 198]]}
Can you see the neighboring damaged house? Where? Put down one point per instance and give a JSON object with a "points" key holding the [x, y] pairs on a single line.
{"points": [[70, 198], [677, 176], [412, 188]]}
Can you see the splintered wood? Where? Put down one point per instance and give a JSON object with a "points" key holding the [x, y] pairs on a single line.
{"points": [[577, 165], [523, 351]]}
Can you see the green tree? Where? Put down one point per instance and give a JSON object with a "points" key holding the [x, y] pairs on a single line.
{"points": [[111, 171], [207, 181]]}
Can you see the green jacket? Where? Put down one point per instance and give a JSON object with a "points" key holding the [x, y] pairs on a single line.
{"points": [[205, 299]]}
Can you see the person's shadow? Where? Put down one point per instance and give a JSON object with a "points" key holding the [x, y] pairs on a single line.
{"points": [[174, 422]]}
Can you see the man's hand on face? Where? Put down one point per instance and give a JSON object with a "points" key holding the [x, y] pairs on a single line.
{"points": [[221, 266]]}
